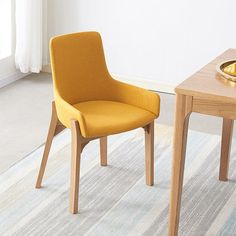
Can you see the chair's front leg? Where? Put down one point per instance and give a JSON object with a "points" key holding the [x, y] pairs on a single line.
{"points": [[103, 151], [75, 166], [54, 128], [149, 153]]}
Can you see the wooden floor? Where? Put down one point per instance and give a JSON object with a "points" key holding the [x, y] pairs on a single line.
{"points": [[25, 108]]}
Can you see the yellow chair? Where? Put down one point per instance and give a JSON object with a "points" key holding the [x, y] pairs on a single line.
{"points": [[94, 105]]}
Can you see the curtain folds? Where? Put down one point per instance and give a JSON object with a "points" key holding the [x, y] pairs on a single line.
{"points": [[29, 35]]}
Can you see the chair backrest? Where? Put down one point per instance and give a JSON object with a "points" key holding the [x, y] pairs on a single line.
{"points": [[79, 68]]}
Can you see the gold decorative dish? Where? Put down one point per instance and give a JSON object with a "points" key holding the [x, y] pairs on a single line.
{"points": [[227, 70]]}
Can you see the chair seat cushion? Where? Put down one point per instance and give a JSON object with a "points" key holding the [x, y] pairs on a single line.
{"points": [[104, 118]]}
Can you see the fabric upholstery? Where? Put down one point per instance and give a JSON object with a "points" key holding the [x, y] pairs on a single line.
{"points": [[112, 117], [83, 85]]}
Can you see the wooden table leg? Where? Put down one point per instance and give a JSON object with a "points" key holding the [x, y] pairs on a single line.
{"points": [[227, 132], [183, 110]]}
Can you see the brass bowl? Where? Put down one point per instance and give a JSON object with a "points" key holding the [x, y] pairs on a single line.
{"points": [[223, 67]]}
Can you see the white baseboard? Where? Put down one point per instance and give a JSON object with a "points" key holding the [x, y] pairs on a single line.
{"points": [[140, 82], [147, 84], [11, 78], [47, 68]]}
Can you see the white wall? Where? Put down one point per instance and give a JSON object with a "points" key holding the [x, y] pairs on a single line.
{"points": [[8, 71], [163, 41]]}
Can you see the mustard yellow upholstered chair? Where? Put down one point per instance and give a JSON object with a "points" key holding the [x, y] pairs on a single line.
{"points": [[93, 104]]}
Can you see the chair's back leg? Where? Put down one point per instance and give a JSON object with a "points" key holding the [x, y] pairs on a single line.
{"points": [[149, 153], [103, 151], [54, 128]]}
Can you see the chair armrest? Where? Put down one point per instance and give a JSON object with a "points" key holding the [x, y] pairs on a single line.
{"points": [[66, 112], [136, 96]]}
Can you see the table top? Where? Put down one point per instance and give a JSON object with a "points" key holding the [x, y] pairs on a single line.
{"points": [[208, 83]]}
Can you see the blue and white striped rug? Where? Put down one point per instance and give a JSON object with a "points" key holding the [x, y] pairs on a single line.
{"points": [[114, 200]]}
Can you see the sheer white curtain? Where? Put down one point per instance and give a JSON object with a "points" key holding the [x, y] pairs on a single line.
{"points": [[28, 54]]}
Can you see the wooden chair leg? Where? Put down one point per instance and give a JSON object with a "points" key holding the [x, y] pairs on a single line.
{"points": [[75, 166], [54, 128], [227, 132], [149, 153], [103, 151]]}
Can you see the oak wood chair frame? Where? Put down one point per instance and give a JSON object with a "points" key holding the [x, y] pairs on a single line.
{"points": [[78, 144]]}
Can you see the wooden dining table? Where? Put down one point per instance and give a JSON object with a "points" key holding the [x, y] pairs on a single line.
{"points": [[208, 93]]}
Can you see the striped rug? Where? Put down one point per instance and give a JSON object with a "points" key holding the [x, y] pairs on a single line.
{"points": [[114, 200]]}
